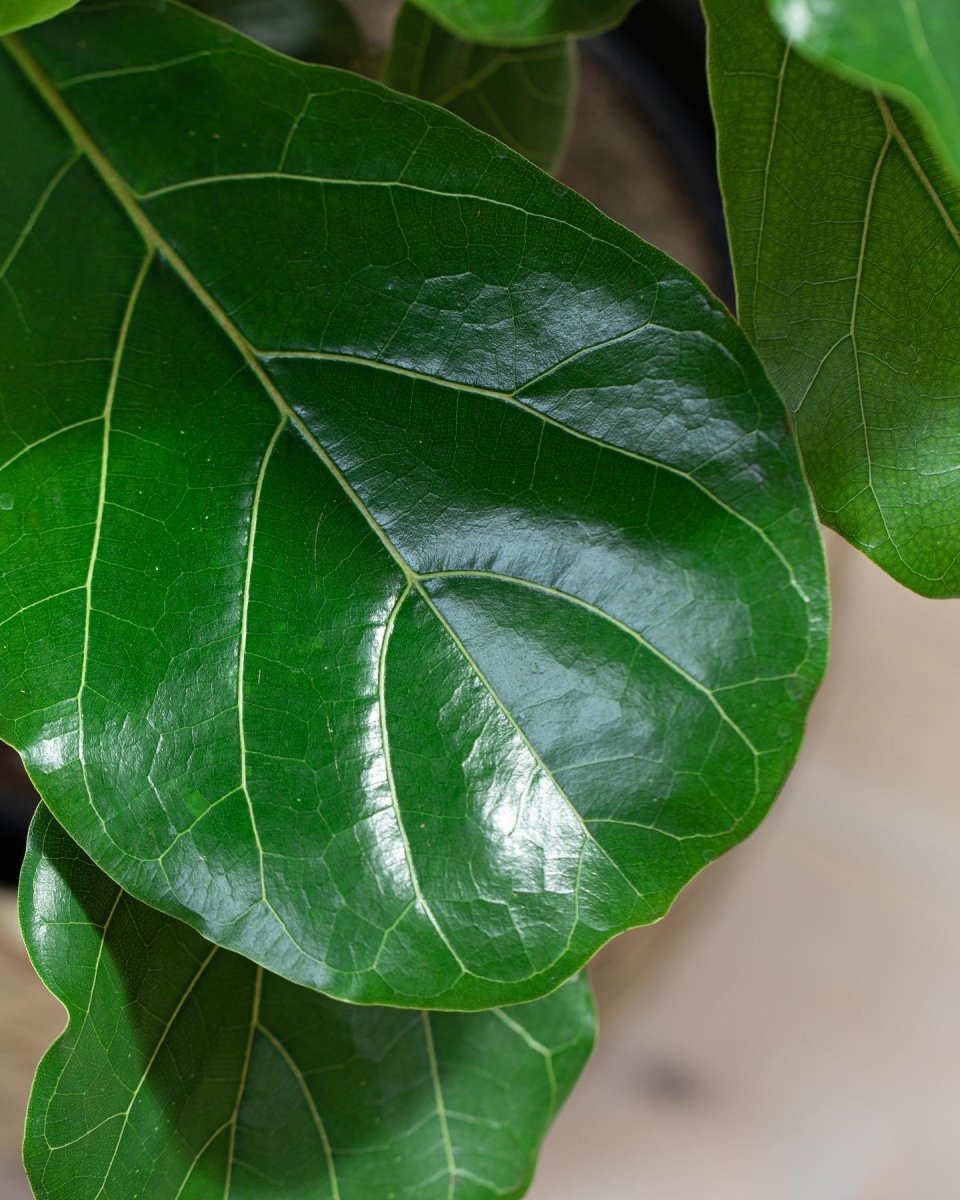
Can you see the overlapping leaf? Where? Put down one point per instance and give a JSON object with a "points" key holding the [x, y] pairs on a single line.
{"points": [[407, 575], [525, 22], [18, 14], [523, 95], [908, 47], [186, 1073], [845, 232]]}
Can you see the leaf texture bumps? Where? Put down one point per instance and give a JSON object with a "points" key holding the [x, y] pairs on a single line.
{"points": [[408, 579]]}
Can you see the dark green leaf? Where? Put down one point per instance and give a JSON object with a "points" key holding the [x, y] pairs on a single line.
{"points": [[525, 22], [322, 31], [523, 95], [187, 1073], [407, 575], [908, 47], [18, 14], [844, 230]]}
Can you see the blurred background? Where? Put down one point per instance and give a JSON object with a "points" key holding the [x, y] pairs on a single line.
{"points": [[789, 1031]]}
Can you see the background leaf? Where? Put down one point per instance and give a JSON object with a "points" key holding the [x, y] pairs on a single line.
{"points": [[18, 14], [844, 231], [322, 31], [186, 1072], [908, 47], [408, 581], [523, 95], [525, 22]]}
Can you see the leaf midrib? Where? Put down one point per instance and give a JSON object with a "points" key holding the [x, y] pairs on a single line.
{"points": [[155, 241], [131, 200], [126, 193]]}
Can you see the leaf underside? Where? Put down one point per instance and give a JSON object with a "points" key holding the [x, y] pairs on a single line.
{"points": [[407, 575], [187, 1073], [908, 47], [523, 95], [526, 22], [845, 232]]}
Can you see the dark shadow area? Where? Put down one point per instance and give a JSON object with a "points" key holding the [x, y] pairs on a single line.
{"points": [[18, 799], [658, 57]]}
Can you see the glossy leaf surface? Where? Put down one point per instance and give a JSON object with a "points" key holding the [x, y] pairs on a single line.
{"points": [[844, 230], [908, 47], [523, 95], [525, 22], [408, 579], [187, 1073], [18, 14]]}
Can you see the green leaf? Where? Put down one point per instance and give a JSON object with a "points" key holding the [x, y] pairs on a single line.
{"points": [[407, 575], [523, 95], [186, 1072], [526, 22], [18, 14], [844, 231], [322, 31], [909, 48]]}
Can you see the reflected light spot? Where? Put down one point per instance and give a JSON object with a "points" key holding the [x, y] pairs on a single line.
{"points": [[796, 19]]}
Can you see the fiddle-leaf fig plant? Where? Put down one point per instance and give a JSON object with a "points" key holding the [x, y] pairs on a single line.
{"points": [[409, 578], [424, 637]]}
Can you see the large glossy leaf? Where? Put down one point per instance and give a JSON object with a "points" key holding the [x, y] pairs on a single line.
{"points": [[523, 95], [17, 14], [408, 579], [524, 22], [187, 1073], [844, 230], [908, 47]]}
